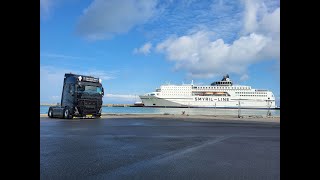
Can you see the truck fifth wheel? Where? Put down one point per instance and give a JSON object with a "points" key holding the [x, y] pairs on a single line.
{"points": [[81, 97]]}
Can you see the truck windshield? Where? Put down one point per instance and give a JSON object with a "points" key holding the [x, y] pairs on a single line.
{"points": [[90, 89]]}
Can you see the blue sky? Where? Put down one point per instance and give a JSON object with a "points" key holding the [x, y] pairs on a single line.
{"points": [[137, 45]]}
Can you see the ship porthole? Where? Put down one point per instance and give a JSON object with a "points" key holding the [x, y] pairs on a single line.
{"points": [[154, 104]]}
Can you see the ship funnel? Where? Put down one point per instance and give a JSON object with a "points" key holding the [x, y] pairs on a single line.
{"points": [[191, 82]]}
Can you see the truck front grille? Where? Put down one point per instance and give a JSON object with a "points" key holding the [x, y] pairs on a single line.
{"points": [[89, 106]]}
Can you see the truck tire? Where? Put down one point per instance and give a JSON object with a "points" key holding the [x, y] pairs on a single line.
{"points": [[66, 113], [50, 113]]}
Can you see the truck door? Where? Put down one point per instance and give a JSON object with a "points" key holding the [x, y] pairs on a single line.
{"points": [[68, 95]]}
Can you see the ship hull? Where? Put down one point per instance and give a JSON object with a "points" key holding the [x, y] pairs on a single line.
{"points": [[206, 102]]}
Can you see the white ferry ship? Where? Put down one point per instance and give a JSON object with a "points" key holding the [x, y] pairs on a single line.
{"points": [[220, 94]]}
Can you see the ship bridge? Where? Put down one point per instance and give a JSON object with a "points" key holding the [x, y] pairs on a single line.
{"points": [[224, 82]]}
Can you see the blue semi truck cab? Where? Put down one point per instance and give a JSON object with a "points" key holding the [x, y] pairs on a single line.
{"points": [[81, 97]]}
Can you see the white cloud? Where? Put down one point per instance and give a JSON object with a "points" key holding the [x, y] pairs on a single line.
{"points": [[244, 77], [270, 26], [105, 18], [45, 6], [250, 15], [55, 99], [145, 49], [62, 56], [203, 56], [101, 74], [258, 20], [271, 22]]}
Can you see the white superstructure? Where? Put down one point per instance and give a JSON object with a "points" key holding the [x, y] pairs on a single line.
{"points": [[219, 94]]}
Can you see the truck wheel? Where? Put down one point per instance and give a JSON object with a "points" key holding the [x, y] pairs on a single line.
{"points": [[50, 113], [66, 113]]}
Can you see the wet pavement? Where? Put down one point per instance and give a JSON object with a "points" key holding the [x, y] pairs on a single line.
{"points": [[155, 148]]}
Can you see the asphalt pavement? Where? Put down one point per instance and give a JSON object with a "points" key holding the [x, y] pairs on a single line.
{"points": [[158, 148]]}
